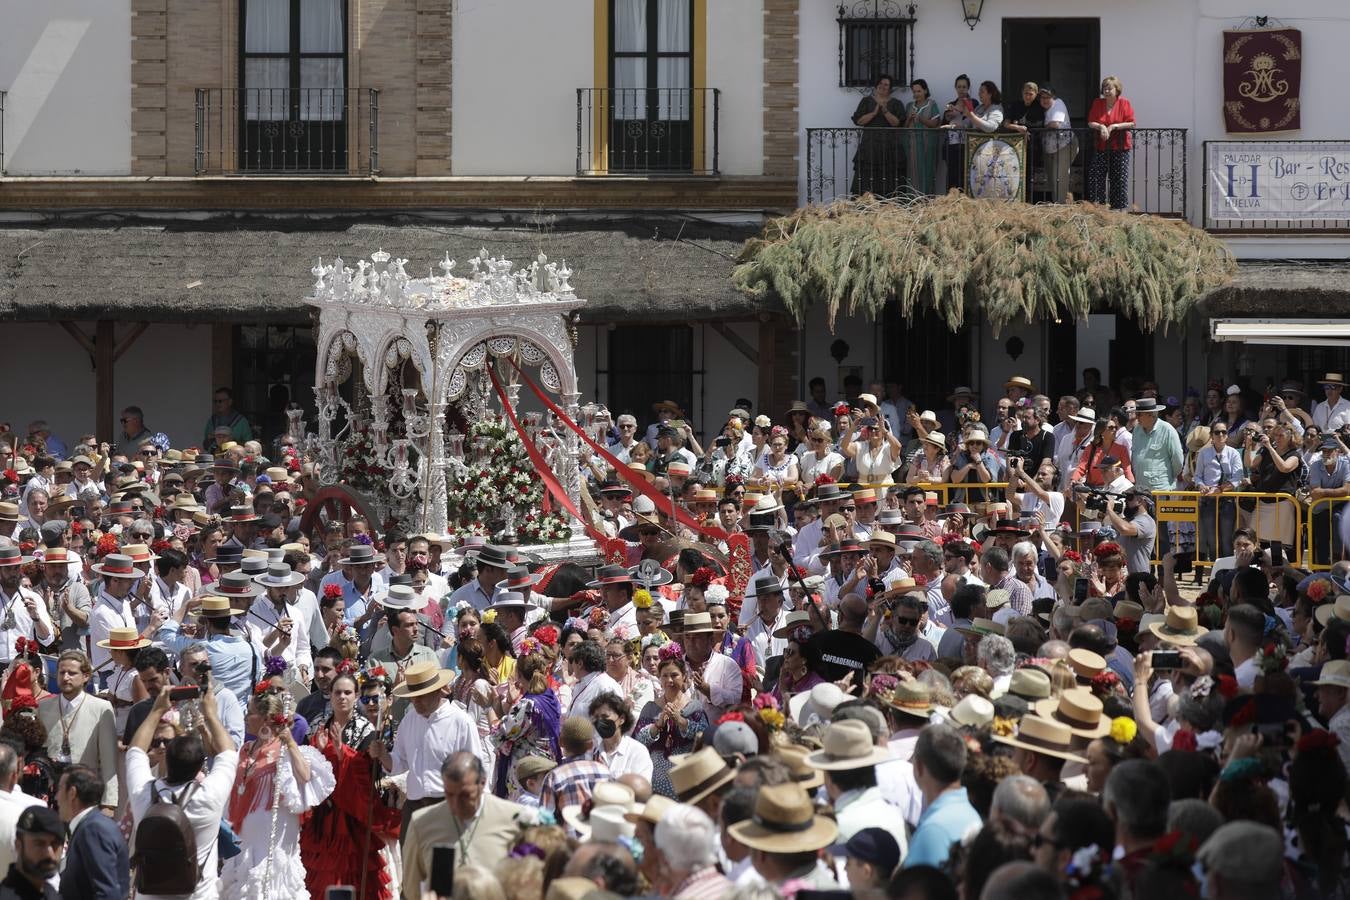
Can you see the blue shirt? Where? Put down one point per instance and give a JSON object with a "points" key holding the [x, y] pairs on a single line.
{"points": [[354, 602], [1319, 477], [1213, 468], [947, 820], [234, 662]]}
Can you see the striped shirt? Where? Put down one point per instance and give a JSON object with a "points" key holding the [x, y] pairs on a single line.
{"points": [[705, 884]]}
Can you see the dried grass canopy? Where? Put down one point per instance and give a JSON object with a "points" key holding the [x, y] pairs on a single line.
{"points": [[1014, 261]]}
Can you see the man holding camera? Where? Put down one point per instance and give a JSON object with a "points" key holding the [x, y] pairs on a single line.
{"points": [[1135, 529], [202, 803]]}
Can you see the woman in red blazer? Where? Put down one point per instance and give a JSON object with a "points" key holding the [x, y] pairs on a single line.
{"points": [[1111, 119]]}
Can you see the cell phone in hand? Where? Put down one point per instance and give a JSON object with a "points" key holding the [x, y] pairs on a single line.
{"points": [[1164, 660], [340, 892], [185, 692], [442, 876], [1080, 589], [1277, 553]]}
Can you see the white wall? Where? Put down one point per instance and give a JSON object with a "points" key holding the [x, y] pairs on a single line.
{"points": [[1166, 52], [166, 372], [66, 68], [518, 65]]}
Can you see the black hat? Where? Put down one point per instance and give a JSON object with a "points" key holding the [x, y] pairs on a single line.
{"points": [[40, 820], [1107, 461]]}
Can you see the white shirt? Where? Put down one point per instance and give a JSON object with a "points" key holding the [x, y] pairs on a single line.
{"points": [[1053, 510], [629, 757], [472, 594], [1329, 418], [108, 613], [203, 808], [762, 640], [23, 622], [898, 787], [12, 803], [1057, 113], [297, 651], [725, 685], [588, 688], [1246, 674], [422, 744]]}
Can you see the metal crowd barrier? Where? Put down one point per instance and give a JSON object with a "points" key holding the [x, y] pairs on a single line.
{"points": [[1185, 506], [1334, 550]]}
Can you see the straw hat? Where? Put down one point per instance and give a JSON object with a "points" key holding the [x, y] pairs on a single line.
{"points": [[360, 555], [1338, 610], [1180, 626], [1020, 381], [785, 821], [791, 622], [649, 812], [279, 575], [1335, 673], [936, 438], [217, 607], [114, 565], [911, 697], [237, 586], [422, 678], [1077, 709], [124, 639], [1045, 737], [804, 775], [139, 553], [980, 627], [608, 796], [1086, 664], [972, 711], [697, 775], [1031, 684], [1333, 378], [847, 745]]}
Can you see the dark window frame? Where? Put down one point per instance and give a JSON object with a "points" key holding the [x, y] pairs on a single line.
{"points": [[653, 54], [885, 21], [294, 55]]}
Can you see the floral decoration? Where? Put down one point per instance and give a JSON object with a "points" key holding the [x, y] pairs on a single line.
{"points": [[332, 591], [1123, 729], [1320, 591], [547, 635], [702, 577], [360, 465], [502, 476], [772, 719], [642, 599]]}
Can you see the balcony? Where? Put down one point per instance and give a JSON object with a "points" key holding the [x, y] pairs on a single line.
{"points": [[647, 131], [910, 160], [280, 131]]}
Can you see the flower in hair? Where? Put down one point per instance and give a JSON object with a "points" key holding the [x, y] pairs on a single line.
{"points": [[1319, 591], [673, 650], [332, 591], [279, 720], [716, 594], [1246, 768], [1105, 549], [1073, 555], [546, 635], [1185, 740], [765, 701], [574, 623], [732, 716], [1228, 686], [1105, 683], [1123, 729], [642, 599], [344, 667], [801, 634], [528, 646], [1201, 687], [763, 421], [883, 683], [841, 408], [702, 577], [364, 538], [623, 632], [261, 688], [778, 431], [598, 617], [824, 479], [275, 665], [22, 702], [772, 719], [526, 849], [489, 616]]}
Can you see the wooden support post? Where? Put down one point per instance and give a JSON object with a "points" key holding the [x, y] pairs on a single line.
{"points": [[105, 357]]}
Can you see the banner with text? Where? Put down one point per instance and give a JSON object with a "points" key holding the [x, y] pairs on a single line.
{"points": [[1285, 181]]}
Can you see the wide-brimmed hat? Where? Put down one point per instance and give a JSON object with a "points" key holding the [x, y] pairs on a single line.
{"points": [[493, 555], [1020, 381], [56, 556], [815, 705], [1031, 684], [1333, 378], [1086, 416], [973, 711], [671, 405], [699, 774], [242, 515], [606, 796], [802, 773], [140, 553], [698, 623], [911, 697], [512, 600], [791, 622], [531, 766], [279, 575], [124, 639], [1079, 710], [1181, 626], [882, 538], [518, 578], [1043, 736], [847, 745], [185, 502], [1335, 673], [1148, 405], [114, 565], [227, 554], [785, 821], [650, 573], [826, 493], [960, 391], [13, 556], [1086, 664], [214, 606], [979, 627], [847, 545], [649, 812], [239, 587], [796, 407], [610, 574], [360, 555], [1339, 609], [766, 583], [422, 678], [399, 596], [936, 438], [1009, 526]]}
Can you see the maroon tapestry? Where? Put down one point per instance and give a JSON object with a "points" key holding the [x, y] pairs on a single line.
{"points": [[1262, 70]]}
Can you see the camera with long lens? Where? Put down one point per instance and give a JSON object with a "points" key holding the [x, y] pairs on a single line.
{"points": [[1100, 501]]}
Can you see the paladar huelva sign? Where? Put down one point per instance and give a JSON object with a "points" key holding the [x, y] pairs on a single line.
{"points": [[1284, 181]]}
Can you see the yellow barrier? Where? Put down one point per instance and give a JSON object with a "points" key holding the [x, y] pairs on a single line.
{"points": [[1311, 530], [1266, 519]]}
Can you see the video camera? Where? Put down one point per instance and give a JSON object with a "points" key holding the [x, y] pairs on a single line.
{"points": [[1099, 500]]}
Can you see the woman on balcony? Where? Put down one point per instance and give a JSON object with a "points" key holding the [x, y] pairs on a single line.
{"points": [[1111, 119], [879, 164], [962, 116], [923, 113]]}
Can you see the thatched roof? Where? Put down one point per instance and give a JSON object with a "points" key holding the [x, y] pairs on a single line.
{"points": [[1013, 262], [1285, 288], [244, 271]]}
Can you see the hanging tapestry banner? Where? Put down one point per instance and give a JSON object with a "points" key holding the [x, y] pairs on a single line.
{"points": [[1262, 71]]}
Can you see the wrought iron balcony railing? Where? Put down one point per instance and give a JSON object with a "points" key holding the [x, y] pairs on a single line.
{"points": [[280, 131], [1059, 163], [647, 131], [3, 94]]}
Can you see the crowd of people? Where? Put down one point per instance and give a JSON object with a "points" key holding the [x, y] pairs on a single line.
{"points": [[993, 694], [901, 144]]}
